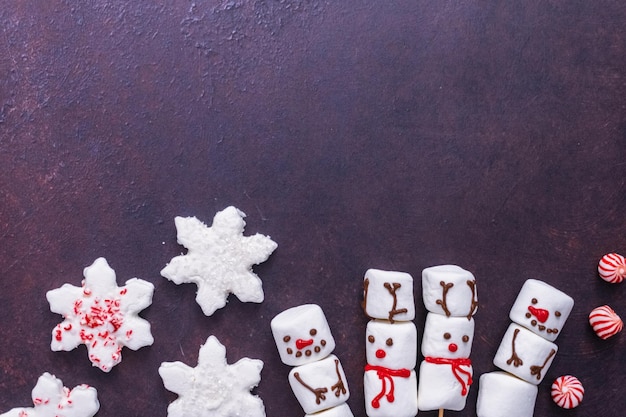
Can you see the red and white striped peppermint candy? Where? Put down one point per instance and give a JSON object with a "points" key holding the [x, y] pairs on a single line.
{"points": [[567, 391], [605, 322], [612, 268]]}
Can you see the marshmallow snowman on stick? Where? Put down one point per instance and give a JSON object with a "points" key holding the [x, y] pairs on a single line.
{"points": [[304, 341], [526, 351], [390, 382], [449, 294]]}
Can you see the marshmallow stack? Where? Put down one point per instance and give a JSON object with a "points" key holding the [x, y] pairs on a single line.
{"points": [[304, 341], [449, 293], [526, 351], [390, 381]]}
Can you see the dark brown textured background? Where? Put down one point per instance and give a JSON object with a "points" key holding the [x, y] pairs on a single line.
{"points": [[357, 134]]}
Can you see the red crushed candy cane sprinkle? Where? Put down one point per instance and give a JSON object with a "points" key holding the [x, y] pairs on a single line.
{"points": [[98, 317]]}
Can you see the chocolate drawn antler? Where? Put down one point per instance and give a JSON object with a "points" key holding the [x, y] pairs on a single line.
{"points": [[474, 304], [443, 303], [537, 369], [392, 288]]}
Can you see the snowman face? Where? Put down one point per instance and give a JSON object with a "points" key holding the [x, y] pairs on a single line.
{"points": [[392, 346], [447, 337], [541, 308], [302, 335]]}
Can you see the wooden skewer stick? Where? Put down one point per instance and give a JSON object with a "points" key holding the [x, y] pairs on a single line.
{"points": [[441, 412]]}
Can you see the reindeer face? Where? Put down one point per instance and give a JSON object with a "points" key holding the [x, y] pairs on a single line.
{"points": [[541, 308], [393, 346], [302, 335], [447, 337]]}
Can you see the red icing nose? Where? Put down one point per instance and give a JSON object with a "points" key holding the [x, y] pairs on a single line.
{"points": [[301, 343], [452, 347], [539, 313], [380, 354]]}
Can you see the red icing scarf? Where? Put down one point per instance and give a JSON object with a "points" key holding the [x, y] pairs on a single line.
{"points": [[386, 374], [456, 369]]}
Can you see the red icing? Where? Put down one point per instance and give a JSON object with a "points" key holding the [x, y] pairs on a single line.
{"points": [[301, 343], [380, 354], [541, 314], [386, 376], [457, 371], [452, 347]]}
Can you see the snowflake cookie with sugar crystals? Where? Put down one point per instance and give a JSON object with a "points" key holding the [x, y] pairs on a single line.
{"points": [[101, 315], [213, 388], [219, 259], [52, 399]]}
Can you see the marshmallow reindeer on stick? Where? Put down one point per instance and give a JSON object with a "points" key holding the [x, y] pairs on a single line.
{"points": [[390, 382], [449, 294], [525, 353], [304, 341]]}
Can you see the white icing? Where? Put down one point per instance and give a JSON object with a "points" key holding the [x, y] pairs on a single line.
{"points": [[213, 387], [101, 315], [501, 394], [52, 399], [219, 259]]}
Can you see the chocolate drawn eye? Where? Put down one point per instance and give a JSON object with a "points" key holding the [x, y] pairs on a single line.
{"points": [[447, 336], [557, 313], [313, 332], [465, 338], [286, 339], [389, 342], [534, 301], [371, 339]]}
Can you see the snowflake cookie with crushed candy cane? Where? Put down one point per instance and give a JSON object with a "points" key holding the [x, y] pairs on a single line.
{"points": [[213, 388], [219, 259], [52, 399], [101, 315]]}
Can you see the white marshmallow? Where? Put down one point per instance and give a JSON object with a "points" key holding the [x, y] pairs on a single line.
{"points": [[444, 383], [541, 308], [342, 410], [390, 383], [319, 385], [447, 337], [525, 354], [393, 346], [449, 290], [446, 372], [302, 335], [501, 394], [388, 295], [390, 393]]}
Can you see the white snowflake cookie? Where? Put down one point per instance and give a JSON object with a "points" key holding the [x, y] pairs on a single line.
{"points": [[213, 388], [52, 399], [219, 259], [101, 315]]}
